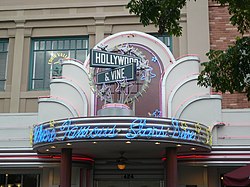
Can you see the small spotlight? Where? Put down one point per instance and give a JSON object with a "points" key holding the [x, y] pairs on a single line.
{"points": [[47, 150], [53, 147], [128, 142], [178, 145], [68, 144], [193, 148], [94, 142], [157, 143]]}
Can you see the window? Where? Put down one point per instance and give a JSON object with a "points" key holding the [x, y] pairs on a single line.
{"points": [[3, 62], [166, 39], [47, 55], [18, 180]]}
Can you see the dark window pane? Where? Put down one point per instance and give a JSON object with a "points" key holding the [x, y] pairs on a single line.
{"points": [[165, 39], [1, 46], [37, 84], [72, 44], [161, 38], [47, 75], [79, 44], [42, 45], [38, 68], [48, 45], [2, 85], [66, 44], [3, 63], [72, 54], [54, 44], [2, 176], [81, 55], [30, 180], [60, 45], [36, 45], [14, 179], [5, 47], [85, 44]]}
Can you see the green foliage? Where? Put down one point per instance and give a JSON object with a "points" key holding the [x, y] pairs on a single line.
{"points": [[165, 14], [228, 70]]}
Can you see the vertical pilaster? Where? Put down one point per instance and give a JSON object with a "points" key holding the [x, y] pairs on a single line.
{"points": [[66, 167], [205, 177], [17, 67], [99, 24], [198, 28], [99, 32], [171, 167], [88, 177]]}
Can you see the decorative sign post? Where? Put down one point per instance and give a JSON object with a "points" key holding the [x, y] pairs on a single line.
{"points": [[123, 69]]}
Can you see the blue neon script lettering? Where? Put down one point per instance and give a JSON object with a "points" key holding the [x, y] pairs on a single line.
{"points": [[44, 135], [181, 132], [75, 132], [138, 129]]}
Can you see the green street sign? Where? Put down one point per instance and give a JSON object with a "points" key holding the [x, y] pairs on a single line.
{"points": [[111, 60], [127, 72]]}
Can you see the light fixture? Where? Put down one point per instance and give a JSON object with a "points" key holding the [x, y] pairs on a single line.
{"points": [[128, 142], [121, 165], [69, 144], [47, 150], [193, 148], [221, 178], [53, 147], [178, 145], [94, 142], [157, 143]]}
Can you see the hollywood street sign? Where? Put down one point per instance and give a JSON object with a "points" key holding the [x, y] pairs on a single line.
{"points": [[127, 72], [111, 60]]}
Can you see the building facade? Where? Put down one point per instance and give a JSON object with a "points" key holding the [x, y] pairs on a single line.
{"points": [[46, 81]]}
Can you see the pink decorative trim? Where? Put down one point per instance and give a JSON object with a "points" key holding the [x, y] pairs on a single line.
{"points": [[187, 55], [115, 105], [41, 97], [75, 60]]}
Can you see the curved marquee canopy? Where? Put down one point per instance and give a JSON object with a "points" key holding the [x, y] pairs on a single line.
{"points": [[81, 133]]}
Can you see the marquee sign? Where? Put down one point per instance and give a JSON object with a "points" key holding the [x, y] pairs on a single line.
{"points": [[121, 128]]}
